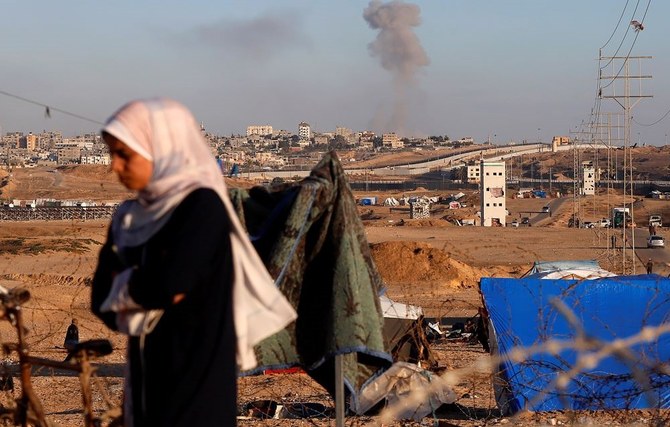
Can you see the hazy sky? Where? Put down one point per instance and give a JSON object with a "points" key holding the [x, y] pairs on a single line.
{"points": [[498, 69]]}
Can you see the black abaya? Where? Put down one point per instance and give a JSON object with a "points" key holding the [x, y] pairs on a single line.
{"points": [[183, 372]]}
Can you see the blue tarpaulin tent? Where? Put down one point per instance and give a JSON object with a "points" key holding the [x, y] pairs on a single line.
{"points": [[523, 313]]}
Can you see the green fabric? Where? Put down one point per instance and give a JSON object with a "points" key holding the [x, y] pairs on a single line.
{"points": [[313, 243]]}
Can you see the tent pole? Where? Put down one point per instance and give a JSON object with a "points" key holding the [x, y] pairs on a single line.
{"points": [[339, 390]]}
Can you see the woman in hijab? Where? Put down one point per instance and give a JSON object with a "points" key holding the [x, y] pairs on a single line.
{"points": [[178, 273]]}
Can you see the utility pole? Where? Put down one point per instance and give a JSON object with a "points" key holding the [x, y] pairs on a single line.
{"points": [[626, 101]]}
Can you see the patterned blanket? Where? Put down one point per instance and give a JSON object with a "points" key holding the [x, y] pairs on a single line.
{"points": [[313, 243]]}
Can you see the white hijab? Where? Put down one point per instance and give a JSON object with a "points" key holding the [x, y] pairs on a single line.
{"points": [[164, 132]]}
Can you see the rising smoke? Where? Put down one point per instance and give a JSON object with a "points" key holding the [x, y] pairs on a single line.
{"points": [[399, 51]]}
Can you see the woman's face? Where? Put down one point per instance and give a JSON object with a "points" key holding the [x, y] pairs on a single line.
{"points": [[133, 170]]}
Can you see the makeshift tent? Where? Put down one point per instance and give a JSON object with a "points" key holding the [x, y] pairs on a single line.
{"points": [[312, 241], [404, 333], [580, 269], [530, 312]]}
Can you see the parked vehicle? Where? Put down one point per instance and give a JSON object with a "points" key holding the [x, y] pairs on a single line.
{"points": [[656, 219], [525, 220], [546, 209], [514, 223], [655, 241], [621, 217], [604, 223]]}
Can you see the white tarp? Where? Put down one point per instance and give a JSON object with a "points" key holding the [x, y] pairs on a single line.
{"points": [[391, 202], [573, 274], [576, 269], [398, 310]]}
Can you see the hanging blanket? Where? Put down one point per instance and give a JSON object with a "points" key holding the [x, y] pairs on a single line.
{"points": [[313, 243]]}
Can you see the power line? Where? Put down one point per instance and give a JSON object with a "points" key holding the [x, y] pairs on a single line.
{"points": [[617, 24], [656, 122], [624, 35], [637, 33], [48, 109]]}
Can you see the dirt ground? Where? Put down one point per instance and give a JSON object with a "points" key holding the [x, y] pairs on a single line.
{"points": [[431, 263]]}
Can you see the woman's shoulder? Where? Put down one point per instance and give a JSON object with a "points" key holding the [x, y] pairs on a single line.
{"points": [[203, 195], [203, 200], [202, 206]]}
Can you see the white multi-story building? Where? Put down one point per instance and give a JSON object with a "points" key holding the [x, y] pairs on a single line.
{"points": [[261, 130], [588, 179], [93, 158], [304, 130], [492, 188]]}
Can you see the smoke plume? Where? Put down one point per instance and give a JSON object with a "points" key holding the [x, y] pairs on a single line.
{"points": [[398, 49]]}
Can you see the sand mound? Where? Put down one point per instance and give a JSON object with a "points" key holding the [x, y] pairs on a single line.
{"points": [[419, 263], [100, 172]]}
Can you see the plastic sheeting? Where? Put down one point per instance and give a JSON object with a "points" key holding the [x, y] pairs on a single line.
{"points": [[396, 386], [397, 310], [579, 269], [523, 313]]}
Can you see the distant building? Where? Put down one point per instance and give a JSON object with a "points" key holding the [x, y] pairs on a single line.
{"points": [[367, 136], [346, 133], [391, 140], [68, 154], [492, 188], [558, 141], [12, 139], [366, 139], [473, 174], [31, 142], [304, 131], [94, 158], [262, 130], [48, 140]]}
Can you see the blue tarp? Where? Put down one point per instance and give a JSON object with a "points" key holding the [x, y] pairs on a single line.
{"points": [[522, 315], [368, 201]]}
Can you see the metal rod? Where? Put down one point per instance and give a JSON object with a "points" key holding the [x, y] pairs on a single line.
{"points": [[339, 390]]}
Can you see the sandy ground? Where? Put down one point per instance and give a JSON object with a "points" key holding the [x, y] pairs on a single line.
{"points": [[430, 262]]}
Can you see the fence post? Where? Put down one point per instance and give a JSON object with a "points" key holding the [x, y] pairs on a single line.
{"points": [[339, 390]]}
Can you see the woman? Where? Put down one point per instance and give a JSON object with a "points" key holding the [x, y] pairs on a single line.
{"points": [[178, 273]]}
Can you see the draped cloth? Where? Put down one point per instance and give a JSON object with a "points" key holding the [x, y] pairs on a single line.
{"points": [[311, 239], [165, 132]]}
